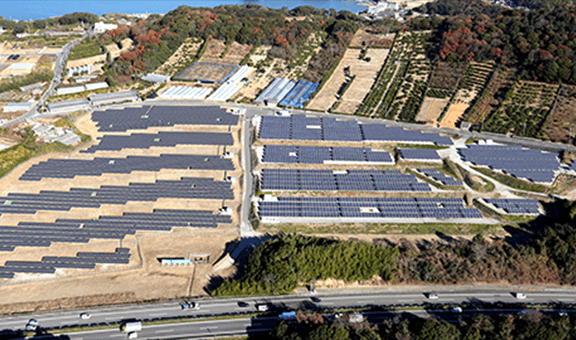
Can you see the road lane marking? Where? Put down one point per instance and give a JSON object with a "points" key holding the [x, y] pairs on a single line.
{"points": [[165, 331]]}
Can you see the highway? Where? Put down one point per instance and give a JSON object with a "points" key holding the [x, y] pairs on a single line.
{"points": [[327, 300]]}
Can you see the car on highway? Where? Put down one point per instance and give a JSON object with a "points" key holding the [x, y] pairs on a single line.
{"points": [[85, 316], [315, 299], [132, 335], [32, 325], [520, 296], [432, 296], [242, 304], [262, 307], [190, 305], [456, 310]]}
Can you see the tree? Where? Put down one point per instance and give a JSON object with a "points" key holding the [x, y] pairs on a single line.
{"points": [[324, 332]]}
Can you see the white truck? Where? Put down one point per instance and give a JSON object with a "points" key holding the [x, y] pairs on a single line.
{"points": [[130, 327]]}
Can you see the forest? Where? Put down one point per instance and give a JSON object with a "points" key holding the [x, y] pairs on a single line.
{"points": [[280, 264], [157, 38], [540, 42], [544, 256]]}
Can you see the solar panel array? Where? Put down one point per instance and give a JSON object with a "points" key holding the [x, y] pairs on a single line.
{"points": [[441, 177], [514, 160], [70, 168], [516, 206], [351, 180], [320, 155], [419, 154], [186, 188], [43, 234], [356, 207], [300, 127], [113, 120], [163, 139], [48, 265]]}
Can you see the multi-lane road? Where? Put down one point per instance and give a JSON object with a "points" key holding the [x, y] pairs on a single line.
{"points": [[217, 307]]}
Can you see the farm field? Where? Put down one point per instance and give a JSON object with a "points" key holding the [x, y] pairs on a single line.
{"points": [[183, 56], [471, 85], [217, 62], [367, 37], [562, 120], [526, 110], [218, 52], [364, 74], [327, 96], [431, 109]]}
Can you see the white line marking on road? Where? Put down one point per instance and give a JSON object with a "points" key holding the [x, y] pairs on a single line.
{"points": [[165, 331]]}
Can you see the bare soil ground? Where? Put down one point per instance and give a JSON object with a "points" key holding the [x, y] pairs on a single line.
{"points": [[431, 109], [368, 37], [455, 111]]}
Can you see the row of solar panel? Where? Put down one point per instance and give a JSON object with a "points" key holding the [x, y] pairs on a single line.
{"points": [[516, 206], [299, 127], [534, 165], [161, 139], [186, 188], [49, 264], [319, 155], [365, 180], [113, 120], [70, 168], [42, 234]]}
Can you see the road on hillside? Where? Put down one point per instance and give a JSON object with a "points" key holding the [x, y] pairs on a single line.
{"points": [[58, 70], [215, 307]]}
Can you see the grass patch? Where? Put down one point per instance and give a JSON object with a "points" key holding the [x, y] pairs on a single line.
{"points": [[382, 228], [511, 181], [476, 185]]}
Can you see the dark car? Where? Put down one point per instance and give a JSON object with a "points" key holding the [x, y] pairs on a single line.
{"points": [[315, 299]]}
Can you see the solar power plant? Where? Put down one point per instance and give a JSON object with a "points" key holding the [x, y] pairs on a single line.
{"points": [[113, 120], [186, 188], [42, 234], [441, 177], [300, 127], [419, 154], [351, 180], [320, 155], [48, 265], [70, 168], [357, 207], [516, 206], [514, 160], [162, 139]]}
